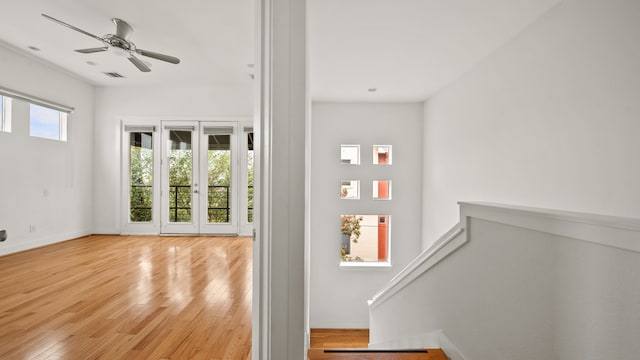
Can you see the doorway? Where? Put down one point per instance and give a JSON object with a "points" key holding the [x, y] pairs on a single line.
{"points": [[188, 177]]}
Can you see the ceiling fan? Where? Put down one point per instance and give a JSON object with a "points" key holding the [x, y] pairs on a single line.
{"points": [[120, 42]]}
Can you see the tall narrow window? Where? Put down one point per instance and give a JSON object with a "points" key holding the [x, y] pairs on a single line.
{"points": [[250, 163], [140, 176], [5, 114], [180, 176], [47, 123], [219, 174]]}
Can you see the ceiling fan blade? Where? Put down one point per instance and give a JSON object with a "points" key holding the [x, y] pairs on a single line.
{"points": [[158, 56], [92, 50], [139, 64], [72, 27], [123, 29]]}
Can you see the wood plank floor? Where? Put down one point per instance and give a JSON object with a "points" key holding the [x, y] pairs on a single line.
{"points": [[331, 339], [128, 297], [339, 338]]}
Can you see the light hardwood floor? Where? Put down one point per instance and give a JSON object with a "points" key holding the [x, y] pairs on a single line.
{"points": [[128, 297], [355, 339]]}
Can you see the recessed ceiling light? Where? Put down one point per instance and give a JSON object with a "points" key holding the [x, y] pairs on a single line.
{"points": [[91, 63], [34, 48], [372, 89]]}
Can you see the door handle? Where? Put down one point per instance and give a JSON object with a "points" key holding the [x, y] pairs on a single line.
{"points": [[195, 191]]}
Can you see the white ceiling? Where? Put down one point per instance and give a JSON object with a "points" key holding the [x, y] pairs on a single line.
{"points": [[406, 49], [212, 38]]}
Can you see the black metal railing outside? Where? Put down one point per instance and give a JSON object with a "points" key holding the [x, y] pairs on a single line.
{"points": [[218, 197]]}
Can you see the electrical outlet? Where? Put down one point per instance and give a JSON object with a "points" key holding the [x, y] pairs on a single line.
{"points": [[32, 228], [3, 235]]}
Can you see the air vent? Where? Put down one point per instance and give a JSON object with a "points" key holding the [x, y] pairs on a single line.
{"points": [[113, 75]]}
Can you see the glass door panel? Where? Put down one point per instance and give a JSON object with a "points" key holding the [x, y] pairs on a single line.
{"points": [[180, 159], [219, 179], [180, 187]]}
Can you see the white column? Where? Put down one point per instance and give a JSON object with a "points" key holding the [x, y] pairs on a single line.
{"points": [[280, 152]]}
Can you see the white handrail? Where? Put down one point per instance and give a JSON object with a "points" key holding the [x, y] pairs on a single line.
{"points": [[446, 245]]}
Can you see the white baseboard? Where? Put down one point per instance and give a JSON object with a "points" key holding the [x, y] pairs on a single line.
{"points": [[17, 245]]}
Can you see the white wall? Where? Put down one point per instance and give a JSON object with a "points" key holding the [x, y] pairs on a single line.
{"points": [[338, 297], [528, 284], [548, 120], [45, 183], [164, 103]]}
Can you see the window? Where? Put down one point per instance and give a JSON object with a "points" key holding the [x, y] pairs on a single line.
{"points": [[350, 189], [47, 123], [141, 176], [365, 238], [350, 154], [5, 114], [250, 181], [218, 176], [382, 154], [381, 189]]}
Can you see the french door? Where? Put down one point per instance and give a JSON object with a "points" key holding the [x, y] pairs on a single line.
{"points": [[197, 180], [198, 173]]}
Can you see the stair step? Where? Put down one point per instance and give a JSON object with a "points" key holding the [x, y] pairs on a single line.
{"points": [[377, 354]]}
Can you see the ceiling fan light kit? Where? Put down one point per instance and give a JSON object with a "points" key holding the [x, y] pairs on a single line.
{"points": [[119, 44]]}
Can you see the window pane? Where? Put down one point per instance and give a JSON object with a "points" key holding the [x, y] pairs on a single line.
{"points": [[382, 154], [381, 189], [180, 176], [350, 154], [365, 238], [350, 189], [45, 123], [250, 178], [219, 179], [140, 176]]}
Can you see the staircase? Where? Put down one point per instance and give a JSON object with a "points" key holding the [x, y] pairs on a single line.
{"points": [[352, 344]]}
